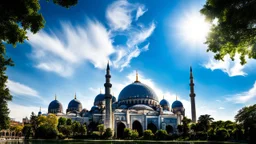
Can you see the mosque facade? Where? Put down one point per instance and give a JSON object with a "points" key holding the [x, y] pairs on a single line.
{"points": [[137, 107]]}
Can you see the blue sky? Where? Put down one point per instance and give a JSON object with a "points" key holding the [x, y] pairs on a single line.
{"points": [[159, 39]]}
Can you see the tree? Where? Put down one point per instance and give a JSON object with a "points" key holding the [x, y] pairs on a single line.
{"points": [[185, 125], [247, 117], [33, 122], [101, 129], [222, 134], [235, 30], [62, 121], [69, 121], [4, 91], [26, 131], [82, 129], [205, 121], [75, 127], [16, 18]]}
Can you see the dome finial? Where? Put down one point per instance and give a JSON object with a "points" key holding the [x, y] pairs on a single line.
{"points": [[75, 95], [55, 97], [137, 76], [40, 109], [176, 97], [163, 96], [100, 91]]}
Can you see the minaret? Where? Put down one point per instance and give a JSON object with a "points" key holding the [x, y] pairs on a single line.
{"points": [[192, 97], [108, 100]]}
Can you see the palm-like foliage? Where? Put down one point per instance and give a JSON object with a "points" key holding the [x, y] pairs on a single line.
{"points": [[205, 121], [247, 117]]}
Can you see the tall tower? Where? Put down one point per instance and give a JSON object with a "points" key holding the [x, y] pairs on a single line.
{"points": [[108, 100], [192, 97]]}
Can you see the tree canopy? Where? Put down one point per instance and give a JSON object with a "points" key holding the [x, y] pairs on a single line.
{"points": [[235, 31], [16, 19]]}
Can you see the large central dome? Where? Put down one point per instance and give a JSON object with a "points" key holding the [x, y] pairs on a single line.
{"points": [[137, 90]]}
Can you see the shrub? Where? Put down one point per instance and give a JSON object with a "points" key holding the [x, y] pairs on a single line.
{"points": [[46, 132], [201, 136], [161, 134], [148, 134], [61, 136], [130, 134], [127, 133], [108, 133], [135, 134], [95, 135], [222, 134]]}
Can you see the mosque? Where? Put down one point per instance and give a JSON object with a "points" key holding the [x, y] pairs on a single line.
{"points": [[137, 107]]}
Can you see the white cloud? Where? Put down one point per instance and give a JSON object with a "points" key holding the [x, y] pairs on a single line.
{"points": [[140, 11], [138, 36], [244, 97], [61, 53], [19, 89], [124, 56], [221, 108], [19, 111], [232, 68], [120, 14]]}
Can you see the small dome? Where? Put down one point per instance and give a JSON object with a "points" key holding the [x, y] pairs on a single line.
{"points": [[137, 90], [95, 109], [141, 107], [164, 102], [74, 106], [83, 112], [177, 104], [99, 98], [55, 107]]}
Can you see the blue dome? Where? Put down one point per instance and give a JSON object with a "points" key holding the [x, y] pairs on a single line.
{"points": [[164, 102], [55, 107], [99, 98], [74, 105], [94, 109], [137, 90], [177, 104]]}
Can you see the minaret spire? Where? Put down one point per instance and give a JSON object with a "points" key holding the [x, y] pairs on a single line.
{"points": [[75, 95], [108, 100], [192, 96]]}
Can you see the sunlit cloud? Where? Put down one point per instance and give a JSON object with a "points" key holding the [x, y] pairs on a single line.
{"points": [[232, 68], [19, 89], [247, 97]]}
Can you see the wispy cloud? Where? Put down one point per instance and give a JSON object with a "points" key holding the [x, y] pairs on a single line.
{"points": [[75, 45], [119, 14], [140, 11], [232, 68], [19, 89], [221, 108], [244, 97], [64, 50]]}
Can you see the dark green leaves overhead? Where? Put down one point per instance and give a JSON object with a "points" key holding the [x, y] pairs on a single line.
{"points": [[235, 31]]}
